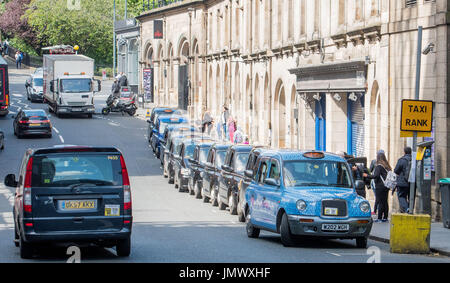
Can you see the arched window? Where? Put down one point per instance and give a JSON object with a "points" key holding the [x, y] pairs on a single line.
{"points": [[290, 19], [133, 62], [256, 32], [342, 8], [302, 17]]}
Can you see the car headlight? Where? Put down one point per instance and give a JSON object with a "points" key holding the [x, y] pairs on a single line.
{"points": [[365, 207], [301, 205]]}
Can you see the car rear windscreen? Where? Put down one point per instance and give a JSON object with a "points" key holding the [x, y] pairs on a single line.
{"points": [[35, 114], [69, 169]]}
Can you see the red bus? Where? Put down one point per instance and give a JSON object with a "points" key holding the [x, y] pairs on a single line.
{"points": [[4, 88]]}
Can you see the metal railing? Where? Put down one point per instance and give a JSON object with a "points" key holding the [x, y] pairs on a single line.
{"points": [[154, 4], [28, 60]]}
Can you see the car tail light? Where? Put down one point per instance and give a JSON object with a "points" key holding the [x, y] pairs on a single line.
{"points": [[24, 121], [126, 185], [27, 204]]}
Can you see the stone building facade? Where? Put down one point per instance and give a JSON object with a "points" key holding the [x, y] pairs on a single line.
{"points": [[311, 74]]}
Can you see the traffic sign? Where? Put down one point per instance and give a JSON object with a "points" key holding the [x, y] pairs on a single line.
{"points": [[417, 116]]}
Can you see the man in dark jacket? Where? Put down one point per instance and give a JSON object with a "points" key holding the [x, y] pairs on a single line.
{"points": [[402, 170], [123, 81]]}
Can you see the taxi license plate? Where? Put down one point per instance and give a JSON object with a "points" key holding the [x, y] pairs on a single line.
{"points": [[335, 227], [331, 211], [73, 205], [35, 125]]}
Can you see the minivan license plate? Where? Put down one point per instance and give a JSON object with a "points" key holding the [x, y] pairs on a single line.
{"points": [[78, 204], [335, 227]]}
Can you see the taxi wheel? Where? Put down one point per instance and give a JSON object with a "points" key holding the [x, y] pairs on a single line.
{"points": [[16, 237], [198, 191], [252, 232], [191, 190], [222, 206], [232, 204], [205, 198], [123, 247], [175, 182], [26, 249], [361, 243], [214, 201], [287, 239]]}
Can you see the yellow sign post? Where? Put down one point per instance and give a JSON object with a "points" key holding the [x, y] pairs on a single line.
{"points": [[417, 116]]}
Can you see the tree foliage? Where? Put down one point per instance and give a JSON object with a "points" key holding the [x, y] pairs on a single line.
{"points": [[13, 24], [41, 23]]}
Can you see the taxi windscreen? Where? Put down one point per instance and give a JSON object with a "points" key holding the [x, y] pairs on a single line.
{"points": [[65, 170], [317, 173]]}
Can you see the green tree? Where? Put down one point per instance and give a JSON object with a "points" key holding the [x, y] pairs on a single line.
{"points": [[90, 27]]}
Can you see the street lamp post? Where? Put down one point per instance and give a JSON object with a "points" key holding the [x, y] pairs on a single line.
{"points": [[114, 37]]}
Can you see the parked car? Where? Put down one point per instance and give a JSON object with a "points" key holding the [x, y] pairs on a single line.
{"points": [[197, 163], [31, 123], [67, 195], [154, 114], [175, 130], [160, 126], [181, 164], [231, 176], [245, 182], [167, 152], [212, 171], [35, 87], [158, 112], [2, 140], [297, 193], [173, 150]]}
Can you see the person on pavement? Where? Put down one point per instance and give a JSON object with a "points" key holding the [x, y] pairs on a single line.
{"points": [[123, 81], [372, 182], [207, 122], [402, 170], [380, 172], [231, 128], [223, 120]]}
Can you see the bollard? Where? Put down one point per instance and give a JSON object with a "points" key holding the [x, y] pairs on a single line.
{"points": [[410, 234]]}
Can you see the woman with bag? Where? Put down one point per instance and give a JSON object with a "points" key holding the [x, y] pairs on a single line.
{"points": [[379, 175]]}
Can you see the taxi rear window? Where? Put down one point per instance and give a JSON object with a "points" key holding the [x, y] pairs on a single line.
{"points": [[68, 169]]}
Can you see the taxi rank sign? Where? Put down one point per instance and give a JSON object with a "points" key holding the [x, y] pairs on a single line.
{"points": [[417, 116]]}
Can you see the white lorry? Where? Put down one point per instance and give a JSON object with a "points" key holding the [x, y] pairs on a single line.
{"points": [[69, 84]]}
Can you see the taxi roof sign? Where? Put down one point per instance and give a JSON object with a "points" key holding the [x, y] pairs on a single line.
{"points": [[417, 116]]}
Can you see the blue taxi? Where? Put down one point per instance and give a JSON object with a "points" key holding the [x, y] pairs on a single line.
{"points": [[299, 193], [161, 124]]}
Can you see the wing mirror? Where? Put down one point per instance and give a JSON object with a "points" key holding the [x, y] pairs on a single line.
{"points": [[226, 168], [272, 182], [248, 173], [10, 181]]}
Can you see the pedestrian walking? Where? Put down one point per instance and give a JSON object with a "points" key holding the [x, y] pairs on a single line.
{"points": [[17, 57], [207, 122], [373, 163], [231, 128], [223, 120], [402, 170], [238, 136], [247, 141], [379, 174], [6, 46], [123, 80], [219, 130]]}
